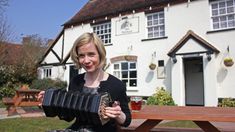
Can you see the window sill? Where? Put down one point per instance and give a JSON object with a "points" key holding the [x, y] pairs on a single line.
{"points": [[108, 44], [132, 89], [221, 30], [154, 38]]}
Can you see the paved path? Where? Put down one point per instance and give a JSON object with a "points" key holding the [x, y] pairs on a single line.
{"points": [[22, 112]]}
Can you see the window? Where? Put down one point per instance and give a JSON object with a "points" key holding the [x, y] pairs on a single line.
{"points": [[126, 71], [223, 14], [161, 63], [47, 72], [156, 25], [104, 32]]}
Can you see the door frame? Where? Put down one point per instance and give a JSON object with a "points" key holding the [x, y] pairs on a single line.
{"points": [[203, 91]]}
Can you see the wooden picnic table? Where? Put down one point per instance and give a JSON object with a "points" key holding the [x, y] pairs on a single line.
{"points": [[202, 116], [23, 97]]}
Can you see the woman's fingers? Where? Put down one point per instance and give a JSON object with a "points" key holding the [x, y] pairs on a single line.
{"points": [[40, 97], [114, 111]]}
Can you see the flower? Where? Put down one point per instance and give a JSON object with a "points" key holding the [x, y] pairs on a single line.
{"points": [[152, 66], [228, 61]]}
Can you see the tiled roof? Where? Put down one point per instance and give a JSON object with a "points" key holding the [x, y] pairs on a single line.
{"points": [[96, 9]]}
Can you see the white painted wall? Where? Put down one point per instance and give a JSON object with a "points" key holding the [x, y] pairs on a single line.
{"points": [[195, 16]]}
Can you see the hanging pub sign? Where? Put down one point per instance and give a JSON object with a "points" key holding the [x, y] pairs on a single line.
{"points": [[127, 25]]}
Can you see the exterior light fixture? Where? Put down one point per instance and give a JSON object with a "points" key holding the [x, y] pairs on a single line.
{"points": [[174, 59], [208, 57]]}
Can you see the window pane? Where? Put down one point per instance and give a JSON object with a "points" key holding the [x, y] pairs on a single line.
{"points": [[230, 3], [214, 6], [124, 74], [215, 19], [132, 66], [116, 74], [124, 66], [221, 4], [133, 74], [230, 9], [133, 82], [222, 11], [215, 25], [125, 82], [215, 12]]}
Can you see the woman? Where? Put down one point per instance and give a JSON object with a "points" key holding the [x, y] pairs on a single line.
{"points": [[88, 52]]}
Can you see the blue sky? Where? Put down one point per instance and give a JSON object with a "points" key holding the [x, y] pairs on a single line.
{"points": [[42, 17]]}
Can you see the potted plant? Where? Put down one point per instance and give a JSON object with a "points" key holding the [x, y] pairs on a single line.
{"points": [[228, 61], [152, 66]]}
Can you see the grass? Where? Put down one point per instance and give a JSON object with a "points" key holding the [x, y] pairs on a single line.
{"points": [[42, 124], [183, 124], [39, 124]]}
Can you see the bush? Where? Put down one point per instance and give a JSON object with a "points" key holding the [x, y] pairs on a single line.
{"points": [[7, 90], [227, 102], [43, 84], [161, 97]]}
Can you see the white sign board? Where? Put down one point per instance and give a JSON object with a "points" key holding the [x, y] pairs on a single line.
{"points": [[127, 25]]}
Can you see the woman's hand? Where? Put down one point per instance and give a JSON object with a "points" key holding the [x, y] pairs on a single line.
{"points": [[40, 97], [115, 112]]}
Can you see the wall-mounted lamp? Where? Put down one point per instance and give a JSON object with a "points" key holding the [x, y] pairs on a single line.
{"points": [[208, 56], [174, 59], [64, 67]]}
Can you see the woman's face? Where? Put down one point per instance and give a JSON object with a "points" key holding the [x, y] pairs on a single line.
{"points": [[88, 57]]}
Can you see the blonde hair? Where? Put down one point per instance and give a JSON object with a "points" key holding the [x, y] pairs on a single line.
{"points": [[85, 39]]}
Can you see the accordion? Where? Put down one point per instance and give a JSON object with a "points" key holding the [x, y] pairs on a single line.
{"points": [[69, 104]]}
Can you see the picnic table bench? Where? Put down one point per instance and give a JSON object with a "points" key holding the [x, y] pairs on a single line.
{"points": [[201, 116], [22, 98]]}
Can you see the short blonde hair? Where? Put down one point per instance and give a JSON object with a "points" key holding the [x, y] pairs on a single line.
{"points": [[85, 39]]}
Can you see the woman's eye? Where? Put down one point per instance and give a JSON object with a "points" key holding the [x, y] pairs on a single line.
{"points": [[81, 56], [91, 54]]}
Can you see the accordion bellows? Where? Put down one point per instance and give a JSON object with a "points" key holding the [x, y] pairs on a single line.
{"points": [[67, 105]]}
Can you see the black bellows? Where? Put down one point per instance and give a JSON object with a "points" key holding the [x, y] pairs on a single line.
{"points": [[67, 105]]}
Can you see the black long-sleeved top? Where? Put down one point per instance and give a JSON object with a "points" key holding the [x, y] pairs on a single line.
{"points": [[117, 91]]}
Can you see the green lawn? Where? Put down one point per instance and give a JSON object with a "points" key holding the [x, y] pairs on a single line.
{"points": [[42, 124], [39, 124], [183, 124]]}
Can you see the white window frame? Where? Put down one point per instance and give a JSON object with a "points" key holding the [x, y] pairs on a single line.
{"points": [[222, 14], [47, 72], [155, 25], [118, 72], [103, 31]]}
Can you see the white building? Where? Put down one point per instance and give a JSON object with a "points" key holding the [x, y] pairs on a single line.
{"points": [[186, 39]]}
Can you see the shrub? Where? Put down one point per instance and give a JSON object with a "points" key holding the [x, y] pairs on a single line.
{"points": [[161, 97], [8, 90], [227, 102], [43, 84]]}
